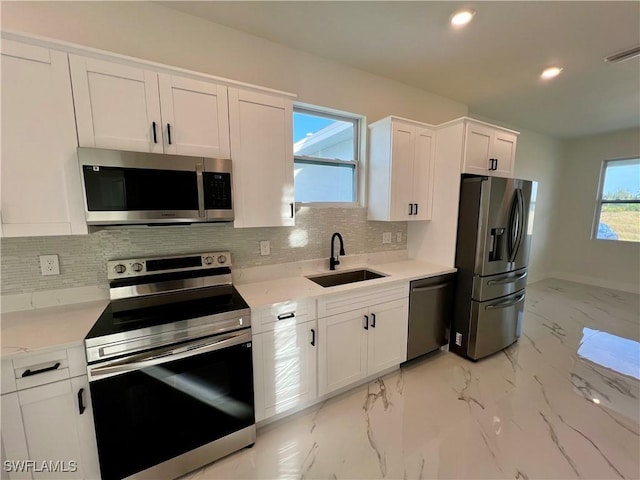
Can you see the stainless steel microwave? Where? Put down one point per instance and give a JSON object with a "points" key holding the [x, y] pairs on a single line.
{"points": [[136, 188]]}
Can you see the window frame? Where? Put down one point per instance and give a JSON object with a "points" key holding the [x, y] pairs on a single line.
{"points": [[358, 122], [600, 202]]}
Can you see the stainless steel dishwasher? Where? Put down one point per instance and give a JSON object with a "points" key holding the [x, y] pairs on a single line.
{"points": [[430, 313]]}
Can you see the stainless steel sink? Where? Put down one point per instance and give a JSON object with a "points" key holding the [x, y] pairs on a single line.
{"points": [[340, 278]]}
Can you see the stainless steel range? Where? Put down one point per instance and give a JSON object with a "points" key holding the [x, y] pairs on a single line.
{"points": [[170, 368]]}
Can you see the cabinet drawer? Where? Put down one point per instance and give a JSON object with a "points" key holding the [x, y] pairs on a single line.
{"points": [[35, 370], [293, 312], [362, 298]]}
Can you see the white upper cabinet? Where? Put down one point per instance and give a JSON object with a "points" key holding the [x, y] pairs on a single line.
{"points": [[40, 178], [261, 131], [195, 117], [116, 106], [488, 150], [129, 108], [401, 170]]}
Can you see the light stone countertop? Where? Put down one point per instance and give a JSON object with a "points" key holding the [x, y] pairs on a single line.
{"points": [[296, 287], [52, 328]]}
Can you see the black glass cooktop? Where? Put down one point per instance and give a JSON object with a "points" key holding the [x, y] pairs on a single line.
{"points": [[147, 311]]}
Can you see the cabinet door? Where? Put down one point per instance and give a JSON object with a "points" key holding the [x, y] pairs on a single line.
{"points": [[387, 335], [504, 151], [40, 179], [195, 117], [261, 130], [56, 430], [116, 105], [342, 350], [422, 174], [14, 443], [477, 149], [285, 367], [402, 153]]}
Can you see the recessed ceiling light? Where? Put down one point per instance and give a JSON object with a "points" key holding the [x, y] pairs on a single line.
{"points": [[551, 72], [462, 17]]}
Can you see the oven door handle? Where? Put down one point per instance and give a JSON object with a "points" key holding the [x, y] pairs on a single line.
{"points": [[170, 354]]}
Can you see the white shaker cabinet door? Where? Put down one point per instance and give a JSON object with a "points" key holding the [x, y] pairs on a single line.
{"points": [[195, 117], [478, 149], [14, 443], [423, 173], [285, 367], [56, 430], [402, 151], [387, 335], [261, 128], [342, 350], [40, 178], [117, 106], [504, 151]]}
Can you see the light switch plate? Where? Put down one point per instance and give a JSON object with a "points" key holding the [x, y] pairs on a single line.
{"points": [[386, 237], [49, 265], [265, 247]]}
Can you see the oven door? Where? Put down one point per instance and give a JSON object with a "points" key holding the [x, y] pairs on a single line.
{"points": [[162, 404]]}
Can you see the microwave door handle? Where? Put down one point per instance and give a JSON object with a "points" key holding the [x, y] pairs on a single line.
{"points": [[200, 181]]}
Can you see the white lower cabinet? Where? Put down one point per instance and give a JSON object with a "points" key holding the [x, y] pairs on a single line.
{"points": [[50, 426], [284, 357], [284, 367], [360, 343]]}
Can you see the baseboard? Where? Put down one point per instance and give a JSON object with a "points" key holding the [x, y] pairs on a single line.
{"points": [[597, 282]]}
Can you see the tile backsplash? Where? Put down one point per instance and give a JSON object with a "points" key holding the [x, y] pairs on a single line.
{"points": [[83, 257]]}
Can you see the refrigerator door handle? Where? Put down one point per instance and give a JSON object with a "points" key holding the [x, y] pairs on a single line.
{"points": [[515, 229], [505, 280], [519, 298]]}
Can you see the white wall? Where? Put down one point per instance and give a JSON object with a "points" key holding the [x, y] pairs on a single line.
{"points": [[150, 31], [576, 256]]}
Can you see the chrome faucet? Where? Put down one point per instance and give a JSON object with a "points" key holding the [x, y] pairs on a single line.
{"points": [[333, 261]]}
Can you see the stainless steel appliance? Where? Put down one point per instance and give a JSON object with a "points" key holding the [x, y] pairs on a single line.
{"points": [[492, 254], [170, 367], [430, 312], [128, 188]]}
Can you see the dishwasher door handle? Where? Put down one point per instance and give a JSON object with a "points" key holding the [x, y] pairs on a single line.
{"points": [[434, 287]]}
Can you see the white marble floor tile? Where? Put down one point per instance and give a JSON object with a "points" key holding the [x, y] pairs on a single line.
{"points": [[563, 402]]}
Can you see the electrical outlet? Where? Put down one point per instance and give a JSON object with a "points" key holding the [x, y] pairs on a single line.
{"points": [[399, 237], [49, 265], [386, 237], [265, 247]]}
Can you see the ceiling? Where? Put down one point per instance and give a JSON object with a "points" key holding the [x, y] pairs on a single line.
{"points": [[492, 65]]}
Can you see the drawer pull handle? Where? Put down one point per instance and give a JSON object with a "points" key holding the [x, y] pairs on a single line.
{"points": [[28, 372], [313, 337], [81, 406], [366, 322], [284, 316], [373, 320]]}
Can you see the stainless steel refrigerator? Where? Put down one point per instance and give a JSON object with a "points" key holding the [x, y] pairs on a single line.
{"points": [[492, 254]]}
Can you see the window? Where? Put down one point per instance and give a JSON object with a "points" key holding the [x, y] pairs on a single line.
{"points": [[326, 152], [618, 214]]}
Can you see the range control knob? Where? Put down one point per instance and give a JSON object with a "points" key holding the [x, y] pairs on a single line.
{"points": [[120, 268], [222, 259], [208, 260], [137, 267]]}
